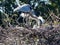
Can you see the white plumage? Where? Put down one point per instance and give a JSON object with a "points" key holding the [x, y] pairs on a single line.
{"points": [[22, 15], [40, 18]]}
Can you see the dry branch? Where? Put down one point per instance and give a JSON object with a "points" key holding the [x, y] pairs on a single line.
{"points": [[28, 35]]}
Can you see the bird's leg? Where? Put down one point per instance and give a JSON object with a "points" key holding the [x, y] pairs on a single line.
{"points": [[27, 20], [23, 21], [17, 20], [38, 22]]}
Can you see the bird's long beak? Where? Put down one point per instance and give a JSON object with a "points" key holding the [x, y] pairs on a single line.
{"points": [[16, 9]]}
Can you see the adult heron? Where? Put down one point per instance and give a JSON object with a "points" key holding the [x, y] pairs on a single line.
{"points": [[28, 13]]}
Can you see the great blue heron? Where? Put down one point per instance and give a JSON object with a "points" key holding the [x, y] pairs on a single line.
{"points": [[27, 13]]}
